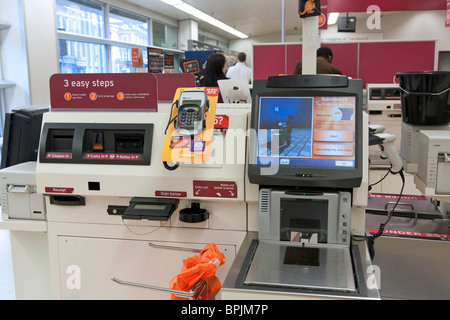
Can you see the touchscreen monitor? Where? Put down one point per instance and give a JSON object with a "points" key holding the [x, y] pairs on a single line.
{"points": [[307, 131]]}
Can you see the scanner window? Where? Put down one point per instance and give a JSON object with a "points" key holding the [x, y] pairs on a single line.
{"points": [[301, 219], [302, 256]]}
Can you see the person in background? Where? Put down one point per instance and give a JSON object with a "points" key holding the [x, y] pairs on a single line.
{"points": [[215, 70], [324, 66], [240, 71]]}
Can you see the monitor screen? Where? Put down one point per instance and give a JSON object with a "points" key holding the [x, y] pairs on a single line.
{"points": [[307, 131], [311, 131]]}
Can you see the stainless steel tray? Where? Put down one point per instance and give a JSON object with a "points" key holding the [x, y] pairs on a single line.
{"points": [[309, 266]]}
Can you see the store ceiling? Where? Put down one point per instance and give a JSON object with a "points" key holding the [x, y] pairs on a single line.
{"points": [[252, 17]]}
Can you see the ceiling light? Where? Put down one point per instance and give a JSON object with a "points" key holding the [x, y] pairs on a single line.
{"points": [[332, 18], [180, 5]]}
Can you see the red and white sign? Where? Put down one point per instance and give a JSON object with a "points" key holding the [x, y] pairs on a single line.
{"points": [[215, 189], [104, 91], [58, 155], [59, 190], [112, 156], [323, 21], [221, 121], [424, 235], [394, 196], [447, 18], [171, 194], [212, 91], [136, 57]]}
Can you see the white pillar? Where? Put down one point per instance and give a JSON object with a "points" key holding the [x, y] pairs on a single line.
{"points": [[311, 42], [188, 30], [42, 47]]}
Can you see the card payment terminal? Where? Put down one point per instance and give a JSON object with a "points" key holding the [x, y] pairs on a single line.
{"points": [[192, 107]]}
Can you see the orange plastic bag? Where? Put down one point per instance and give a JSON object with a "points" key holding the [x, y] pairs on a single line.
{"points": [[200, 267]]}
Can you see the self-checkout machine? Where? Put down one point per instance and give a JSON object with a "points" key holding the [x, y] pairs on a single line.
{"points": [[307, 167], [312, 187], [120, 219], [417, 234]]}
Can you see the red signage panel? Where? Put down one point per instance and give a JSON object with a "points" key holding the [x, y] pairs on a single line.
{"points": [[126, 91], [385, 5], [59, 190], [447, 18], [171, 194], [215, 189]]}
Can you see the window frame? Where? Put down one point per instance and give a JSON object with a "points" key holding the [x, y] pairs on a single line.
{"points": [[109, 43]]}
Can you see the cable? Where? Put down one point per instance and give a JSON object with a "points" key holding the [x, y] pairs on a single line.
{"points": [[166, 165], [144, 234], [170, 168], [371, 239], [170, 116], [384, 177]]}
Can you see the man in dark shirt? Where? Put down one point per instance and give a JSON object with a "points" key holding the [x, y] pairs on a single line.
{"points": [[324, 66]]}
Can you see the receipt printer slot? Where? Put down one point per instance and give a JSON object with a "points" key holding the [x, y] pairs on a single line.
{"points": [[67, 200]]}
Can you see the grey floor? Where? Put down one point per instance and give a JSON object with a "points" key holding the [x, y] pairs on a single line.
{"points": [[6, 269], [300, 145]]}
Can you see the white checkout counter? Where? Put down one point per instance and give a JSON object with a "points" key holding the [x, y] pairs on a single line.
{"points": [[78, 241]]}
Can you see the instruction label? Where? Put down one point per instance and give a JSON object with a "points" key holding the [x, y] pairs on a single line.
{"points": [[104, 91], [215, 189]]}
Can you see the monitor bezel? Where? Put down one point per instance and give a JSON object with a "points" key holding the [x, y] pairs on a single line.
{"points": [[287, 175]]}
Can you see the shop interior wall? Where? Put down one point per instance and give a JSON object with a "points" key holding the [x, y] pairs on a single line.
{"points": [[410, 25], [373, 62]]}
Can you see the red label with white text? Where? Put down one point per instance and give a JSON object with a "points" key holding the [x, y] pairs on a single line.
{"points": [[212, 91], [112, 156], [221, 121], [58, 190], [394, 196], [215, 189], [171, 194], [58, 155], [424, 235]]}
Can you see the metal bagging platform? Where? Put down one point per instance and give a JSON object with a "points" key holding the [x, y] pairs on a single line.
{"points": [[289, 265]]}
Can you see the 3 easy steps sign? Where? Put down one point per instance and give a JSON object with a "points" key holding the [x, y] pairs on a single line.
{"points": [[104, 91]]}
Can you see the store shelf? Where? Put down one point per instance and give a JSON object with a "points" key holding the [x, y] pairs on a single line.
{"points": [[6, 84], [24, 225], [4, 25]]}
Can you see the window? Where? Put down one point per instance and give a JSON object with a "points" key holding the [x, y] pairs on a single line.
{"points": [[81, 17], [165, 36], [95, 37], [82, 57], [128, 27]]}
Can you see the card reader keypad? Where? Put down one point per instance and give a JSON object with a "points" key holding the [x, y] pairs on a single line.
{"points": [[189, 117]]}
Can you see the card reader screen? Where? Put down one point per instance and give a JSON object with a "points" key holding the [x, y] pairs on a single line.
{"points": [[149, 207], [197, 102]]}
